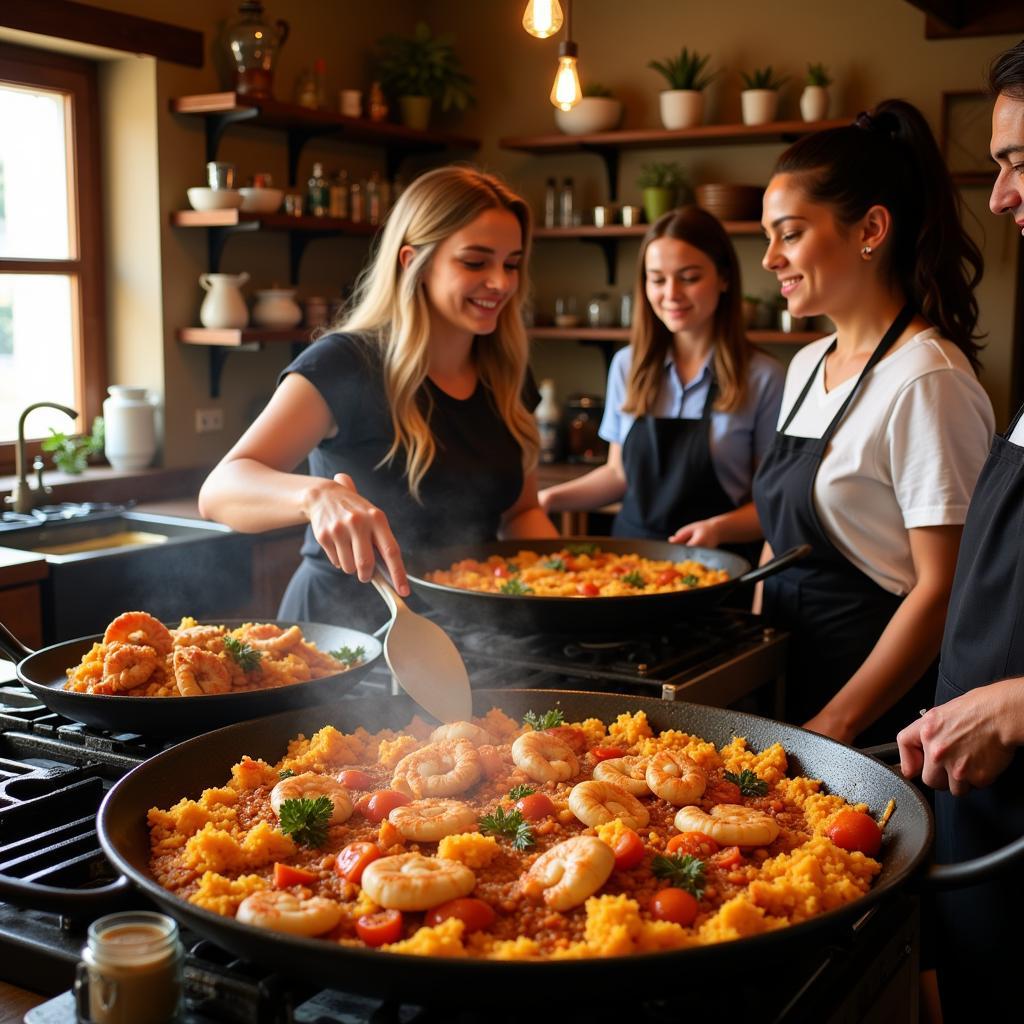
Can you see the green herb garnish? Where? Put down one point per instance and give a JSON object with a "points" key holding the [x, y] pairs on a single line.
{"points": [[349, 656], [518, 792], [748, 781], [511, 568], [554, 563], [248, 657], [515, 586], [546, 721], [691, 580], [285, 773], [582, 549], [682, 870], [634, 579], [306, 820], [510, 825]]}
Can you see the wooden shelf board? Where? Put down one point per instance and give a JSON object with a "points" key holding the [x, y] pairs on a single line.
{"points": [[232, 337], [621, 334], [784, 337], [983, 178], [269, 222], [586, 231]]}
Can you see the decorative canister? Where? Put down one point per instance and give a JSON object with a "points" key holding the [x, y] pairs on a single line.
{"points": [[276, 307], [129, 417], [223, 306]]}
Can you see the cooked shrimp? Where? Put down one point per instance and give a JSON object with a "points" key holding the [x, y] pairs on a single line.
{"points": [[265, 636], [429, 821], [139, 628], [197, 672], [675, 778], [729, 824], [461, 731], [282, 911], [596, 803], [126, 666], [544, 758], [569, 873], [308, 786], [625, 772], [438, 769], [209, 638], [410, 881]]}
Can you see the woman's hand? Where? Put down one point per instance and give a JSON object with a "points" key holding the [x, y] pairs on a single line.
{"points": [[545, 500], [702, 534], [352, 531]]}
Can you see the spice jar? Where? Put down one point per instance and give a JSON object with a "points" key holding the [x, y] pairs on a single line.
{"points": [[583, 415]]}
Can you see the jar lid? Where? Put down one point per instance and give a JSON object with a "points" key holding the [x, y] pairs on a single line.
{"points": [[585, 401]]}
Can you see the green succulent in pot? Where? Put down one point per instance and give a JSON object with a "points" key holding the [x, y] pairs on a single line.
{"points": [[662, 184], [685, 71], [763, 78]]}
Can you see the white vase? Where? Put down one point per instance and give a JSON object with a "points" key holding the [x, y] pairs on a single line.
{"points": [[223, 306], [276, 307], [681, 108], [759, 105], [814, 103], [129, 421]]}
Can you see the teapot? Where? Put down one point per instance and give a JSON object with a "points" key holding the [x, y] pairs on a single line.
{"points": [[223, 306], [254, 44]]}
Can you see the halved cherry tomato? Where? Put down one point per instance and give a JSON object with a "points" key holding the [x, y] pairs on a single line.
{"points": [[628, 849], [729, 858], [473, 913], [588, 589], [855, 830], [535, 806], [696, 844], [376, 929], [663, 579], [353, 859], [722, 791], [353, 778], [675, 905], [378, 805], [286, 876], [501, 571], [606, 753], [575, 738]]}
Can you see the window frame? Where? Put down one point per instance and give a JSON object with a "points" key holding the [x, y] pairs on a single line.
{"points": [[78, 80]]}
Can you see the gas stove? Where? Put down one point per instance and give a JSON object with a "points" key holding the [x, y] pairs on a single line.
{"points": [[59, 513]]}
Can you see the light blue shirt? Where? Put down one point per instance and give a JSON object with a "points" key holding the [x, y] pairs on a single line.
{"points": [[738, 439]]}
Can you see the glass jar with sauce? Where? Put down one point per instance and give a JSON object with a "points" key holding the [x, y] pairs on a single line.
{"points": [[583, 415]]}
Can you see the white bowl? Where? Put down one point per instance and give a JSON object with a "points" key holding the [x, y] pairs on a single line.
{"points": [[591, 114], [261, 200], [203, 198]]}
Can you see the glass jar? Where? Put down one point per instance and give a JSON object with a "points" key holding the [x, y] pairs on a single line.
{"points": [[600, 310], [254, 43], [583, 414]]}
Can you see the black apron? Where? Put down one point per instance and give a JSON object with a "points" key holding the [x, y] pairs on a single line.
{"points": [[979, 939], [835, 611]]}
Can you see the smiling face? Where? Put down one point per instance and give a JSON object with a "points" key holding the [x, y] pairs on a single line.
{"points": [[1008, 152], [682, 285]]}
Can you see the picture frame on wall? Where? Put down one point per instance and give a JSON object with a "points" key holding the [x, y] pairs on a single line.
{"points": [[964, 130]]}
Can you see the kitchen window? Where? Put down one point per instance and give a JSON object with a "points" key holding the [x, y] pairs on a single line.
{"points": [[52, 343]]}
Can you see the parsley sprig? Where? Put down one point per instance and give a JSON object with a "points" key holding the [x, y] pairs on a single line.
{"points": [[285, 773], [748, 781], [518, 792], [682, 870], [349, 656], [690, 580], [557, 564], [515, 586], [546, 721], [510, 825], [585, 548], [635, 579], [247, 657], [306, 820]]}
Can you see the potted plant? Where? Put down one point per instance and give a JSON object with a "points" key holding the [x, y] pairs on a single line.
{"points": [[598, 111], [682, 103], [760, 98], [661, 184], [814, 98], [420, 71]]}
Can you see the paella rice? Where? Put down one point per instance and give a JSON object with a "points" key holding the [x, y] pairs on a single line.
{"points": [[503, 866]]}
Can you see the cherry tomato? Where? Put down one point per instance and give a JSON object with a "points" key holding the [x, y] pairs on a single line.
{"points": [[501, 571], [722, 791], [663, 579], [729, 858], [628, 849], [473, 913], [353, 778], [574, 738], [570, 563], [535, 806], [286, 876], [696, 844], [378, 805], [353, 859], [377, 929], [675, 905], [606, 753], [588, 589], [855, 830]]}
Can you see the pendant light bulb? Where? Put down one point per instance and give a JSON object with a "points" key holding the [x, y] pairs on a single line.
{"points": [[566, 91], [543, 18]]}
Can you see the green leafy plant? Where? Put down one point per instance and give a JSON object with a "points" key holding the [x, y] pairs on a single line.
{"points": [[661, 175], [817, 74], [306, 820], [71, 453], [597, 89], [763, 78], [510, 825], [246, 657], [682, 870], [423, 65], [685, 71], [546, 721]]}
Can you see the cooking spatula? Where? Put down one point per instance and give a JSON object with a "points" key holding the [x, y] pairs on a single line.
{"points": [[423, 659]]}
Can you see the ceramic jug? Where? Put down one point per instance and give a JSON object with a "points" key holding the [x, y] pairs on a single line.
{"points": [[223, 305], [276, 307], [129, 418]]}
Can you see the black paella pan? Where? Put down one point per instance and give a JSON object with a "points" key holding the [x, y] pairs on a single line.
{"points": [[44, 672], [527, 612], [190, 767]]}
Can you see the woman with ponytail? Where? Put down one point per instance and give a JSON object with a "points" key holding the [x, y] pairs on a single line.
{"points": [[410, 409], [884, 426]]}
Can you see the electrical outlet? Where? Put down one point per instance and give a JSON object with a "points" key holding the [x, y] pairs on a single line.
{"points": [[209, 420]]}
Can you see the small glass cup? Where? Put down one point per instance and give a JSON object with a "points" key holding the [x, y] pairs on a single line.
{"points": [[294, 203], [220, 175], [565, 311], [350, 102]]}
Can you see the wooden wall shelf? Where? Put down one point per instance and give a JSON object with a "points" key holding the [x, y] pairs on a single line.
{"points": [[621, 335]]}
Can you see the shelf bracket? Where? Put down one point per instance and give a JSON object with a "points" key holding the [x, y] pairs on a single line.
{"points": [[610, 156], [218, 357], [607, 347], [217, 237], [609, 247], [297, 242], [217, 124], [297, 139]]}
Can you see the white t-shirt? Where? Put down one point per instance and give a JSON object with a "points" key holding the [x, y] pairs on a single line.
{"points": [[906, 454], [1017, 435]]}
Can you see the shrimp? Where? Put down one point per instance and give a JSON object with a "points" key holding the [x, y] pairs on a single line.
{"points": [[438, 769], [265, 636], [675, 778], [596, 803], [410, 881], [308, 786], [139, 627], [282, 911], [729, 824], [462, 731], [197, 672], [625, 772], [544, 758], [126, 666], [569, 873], [429, 821], [209, 638]]}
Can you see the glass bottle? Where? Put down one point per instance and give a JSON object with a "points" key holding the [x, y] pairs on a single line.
{"points": [[305, 90], [547, 416], [550, 203], [317, 196], [372, 192], [566, 204], [356, 203], [339, 195], [320, 82], [378, 104], [254, 43]]}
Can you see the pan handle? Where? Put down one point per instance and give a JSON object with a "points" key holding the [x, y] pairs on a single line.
{"points": [[12, 647], [969, 872], [31, 895], [783, 561]]}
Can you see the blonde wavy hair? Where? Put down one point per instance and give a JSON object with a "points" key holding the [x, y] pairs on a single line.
{"points": [[391, 308]]}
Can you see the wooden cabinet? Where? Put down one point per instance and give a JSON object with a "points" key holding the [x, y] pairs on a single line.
{"points": [[21, 611]]}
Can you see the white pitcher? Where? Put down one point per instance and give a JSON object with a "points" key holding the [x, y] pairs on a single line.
{"points": [[129, 419], [223, 305]]}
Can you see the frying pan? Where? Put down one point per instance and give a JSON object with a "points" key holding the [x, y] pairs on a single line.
{"points": [[44, 672], [524, 612], [190, 767]]}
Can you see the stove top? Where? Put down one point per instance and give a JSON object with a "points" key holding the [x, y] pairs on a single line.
{"points": [[58, 513]]}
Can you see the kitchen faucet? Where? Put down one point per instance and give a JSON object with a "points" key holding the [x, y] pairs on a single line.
{"points": [[21, 497]]}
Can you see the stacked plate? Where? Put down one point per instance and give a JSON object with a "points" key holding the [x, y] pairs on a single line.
{"points": [[731, 202]]}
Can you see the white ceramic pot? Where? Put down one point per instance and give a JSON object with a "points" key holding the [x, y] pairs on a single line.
{"points": [[681, 108], [129, 420], [814, 103], [591, 114], [223, 306], [759, 105], [276, 307]]}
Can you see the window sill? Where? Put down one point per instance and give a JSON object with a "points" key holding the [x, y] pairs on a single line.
{"points": [[104, 483]]}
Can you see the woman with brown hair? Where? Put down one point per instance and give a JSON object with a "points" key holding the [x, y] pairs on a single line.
{"points": [[691, 405]]}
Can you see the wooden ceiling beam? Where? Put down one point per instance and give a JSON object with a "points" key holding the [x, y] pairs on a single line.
{"points": [[958, 19]]}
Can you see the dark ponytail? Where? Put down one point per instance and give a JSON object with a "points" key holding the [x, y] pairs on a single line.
{"points": [[889, 158]]}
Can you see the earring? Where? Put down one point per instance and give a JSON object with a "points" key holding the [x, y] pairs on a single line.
{"points": [[866, 252]]}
